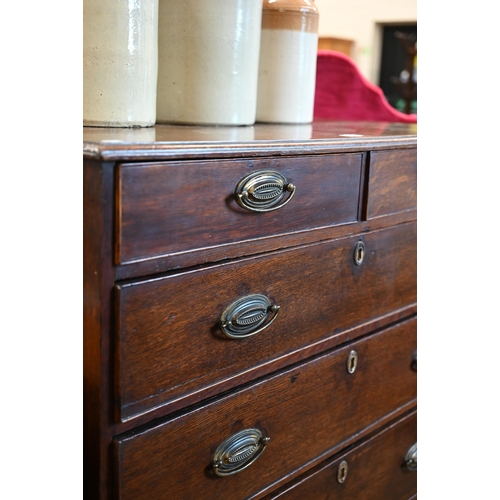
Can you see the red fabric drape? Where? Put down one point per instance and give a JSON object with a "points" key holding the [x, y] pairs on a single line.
{"points": [[343, 93]]}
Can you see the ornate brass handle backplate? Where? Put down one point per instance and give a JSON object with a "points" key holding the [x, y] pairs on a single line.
{"points": [[238, 452], [247, 316], [262, 191]]}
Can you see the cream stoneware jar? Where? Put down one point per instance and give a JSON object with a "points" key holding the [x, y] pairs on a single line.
{"points": [[208, 58], [120, 62], [288, 54]]}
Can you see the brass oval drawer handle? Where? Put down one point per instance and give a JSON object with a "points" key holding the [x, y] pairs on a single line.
{"points": [[247, 316], [239, 451], [411, 458], [262, 191]]}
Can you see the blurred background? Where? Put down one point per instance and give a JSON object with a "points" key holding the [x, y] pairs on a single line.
{"points": [[380, 36]]}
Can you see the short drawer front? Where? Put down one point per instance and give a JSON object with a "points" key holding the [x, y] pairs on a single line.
{"points": [[376, 470], [170, 343], [307, 412], [170, 208], [392, 184]]}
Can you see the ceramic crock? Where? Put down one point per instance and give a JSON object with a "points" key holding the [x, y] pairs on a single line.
{"points": [[120, 62], [287, 68], [208, 57]]}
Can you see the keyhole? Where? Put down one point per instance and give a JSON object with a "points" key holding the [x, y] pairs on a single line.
{"points": [[352, 361], [359, 253], [342, 471]]}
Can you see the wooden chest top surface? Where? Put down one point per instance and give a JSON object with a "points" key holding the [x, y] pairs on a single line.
{"points": [[175, 141]]}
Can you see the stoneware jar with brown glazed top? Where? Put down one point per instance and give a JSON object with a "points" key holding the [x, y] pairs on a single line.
{"points": [[287, 68], [208, 60], [120, 62]]}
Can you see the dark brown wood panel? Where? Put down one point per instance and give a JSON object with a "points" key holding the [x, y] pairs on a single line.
{"points": [[97, 288], [163, 142], [168, 340], [253, 247], [375, 470], [392, 184], [167, 208], [309, 412]]}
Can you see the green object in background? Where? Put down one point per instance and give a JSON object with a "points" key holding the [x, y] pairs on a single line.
{"points": [[401, 103]]}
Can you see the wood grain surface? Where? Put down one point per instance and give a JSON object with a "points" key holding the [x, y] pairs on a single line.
{"points": [[169, 343], [375, 470], [188, 142], [165, 263], [392, 182], [309, 412], [97, 320], [164, 255], [167, 208]]}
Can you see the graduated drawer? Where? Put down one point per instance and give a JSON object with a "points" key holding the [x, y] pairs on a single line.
{"points": [[170, 344], [308, 412], [173, 207], [378, 469], [392, 185]]}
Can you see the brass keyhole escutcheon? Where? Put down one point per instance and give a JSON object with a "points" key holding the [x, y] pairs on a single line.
{"points": [[352, 361], [342, 471], [359, 253]]}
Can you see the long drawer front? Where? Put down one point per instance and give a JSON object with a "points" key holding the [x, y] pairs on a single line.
{"points": [[300, 416], [171, 207], [383, 467], [170, 340]]}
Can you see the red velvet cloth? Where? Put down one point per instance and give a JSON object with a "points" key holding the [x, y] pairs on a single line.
{"points": [[343, 93]]}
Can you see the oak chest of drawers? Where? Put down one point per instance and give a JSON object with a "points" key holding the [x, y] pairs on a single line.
{"points": [[250, 312]]}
